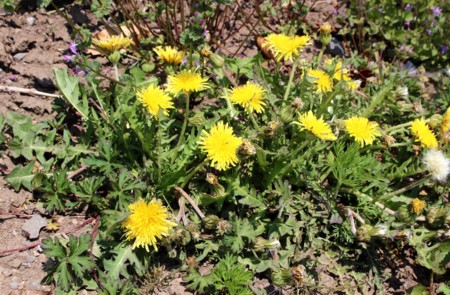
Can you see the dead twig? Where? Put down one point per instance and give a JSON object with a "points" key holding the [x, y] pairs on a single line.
{"points": [[76, 172], [16, 214], [188, 198], [25, 90]]}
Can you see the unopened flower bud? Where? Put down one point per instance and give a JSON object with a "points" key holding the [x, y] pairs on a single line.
{"points": [[210, 222], [325, 34], [403, 214], [262, 244], [436, 216], [212, 179], [287, 114], [114, 57], [216, 60], [435, 121], [206, 52], [297, 104], [401, 92], [282, 277], [247, 148], [366, 232], [194, 230], [198, 119]]}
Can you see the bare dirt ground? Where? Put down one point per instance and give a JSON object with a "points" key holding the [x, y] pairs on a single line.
{"points": [[31, 44]]}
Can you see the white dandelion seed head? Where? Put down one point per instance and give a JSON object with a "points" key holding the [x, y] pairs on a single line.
{"points": [[437, 163]]}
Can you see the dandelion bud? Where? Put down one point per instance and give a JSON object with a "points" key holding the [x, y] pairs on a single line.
{"points": [[403, 214], [198, 119], [436, 216], [114, 57], [287, 114], [206, 52], [182, 237], [212, 179], [325, 34], [262, 244], [148, 67], [247, 148], [282, 277], [222, 227], [210, 222], [438, 165], [216, 60], [194, 230], [417, 206], [389, 140], [366, 232], [297, 104], [435, 121], [401, 92]]}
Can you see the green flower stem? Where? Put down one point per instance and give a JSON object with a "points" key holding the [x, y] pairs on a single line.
{"points": [[192, 173], [252, 118], [404, 189], [291, 78], [397, 128], [183, 128], [378, 98], [328, 98], [319, 59], [116, 72]]}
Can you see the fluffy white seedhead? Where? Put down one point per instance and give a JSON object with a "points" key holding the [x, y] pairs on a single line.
{"points": [[438, 165]]}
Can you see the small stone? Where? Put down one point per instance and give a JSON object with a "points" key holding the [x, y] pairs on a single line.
{"points": [[31, 20], [15, 263], [7, 272], [31, 258], [33, 226], [35, 285], [336, 48], [20, 56], [14, 285]]}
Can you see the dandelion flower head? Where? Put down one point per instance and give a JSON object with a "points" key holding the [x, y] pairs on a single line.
{"points": [[113, 43], [321, 79], [423, 133], [154, 98], [147, 223], [186, 81], [445, 126], [315, 125], [325, 28], [169, 55], [437, 163], [286, 47], [417, 206], [250, 96], [220, 145], [362, 130]]}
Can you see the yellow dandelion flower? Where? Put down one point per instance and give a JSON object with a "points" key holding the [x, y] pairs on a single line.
{"points": [[250, 96], [113, 43], [363, 130], [321, 79], [445, 126], [147, 222], [169, 55], [417, 206], [154, 98], [286, 47], [315, 125], [220, 145], [185, 81], [325, 28], [423, 133]]}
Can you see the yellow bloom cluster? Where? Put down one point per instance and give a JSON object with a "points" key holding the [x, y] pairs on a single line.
{"points": [[250, 96], [154, 98], [186, 81], [220, 145], [423, 133], [113, 43], [286, 47], [315, 125], [147, 222], [169, 55], [417, 206], [321, 79], [445, 126], [362, 130]]}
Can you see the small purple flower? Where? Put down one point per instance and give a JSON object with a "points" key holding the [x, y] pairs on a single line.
{"points": [[436, 11], [402, 47], [197, 63], [13, 77], [433, 24], [184, 61], [200, 22], [69, 58], [409, 51], [196, 14], [429, 32], [408, 6], [335, 11], [380, 10], [78, 71], [444, 49], [73, 47], [408, 24]]}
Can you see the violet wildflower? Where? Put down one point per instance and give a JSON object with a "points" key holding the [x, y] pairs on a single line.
{"points": [[429, 32], [196, 14], [444, 49], [436, 11], [73, 47], [335, 11], [380, 10], [402, 47], [408, 24], [69, 58], [408, 6], [409, 51]]}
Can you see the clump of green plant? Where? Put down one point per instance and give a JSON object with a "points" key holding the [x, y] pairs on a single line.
{"points": [[230, 160], [407, 30]]}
